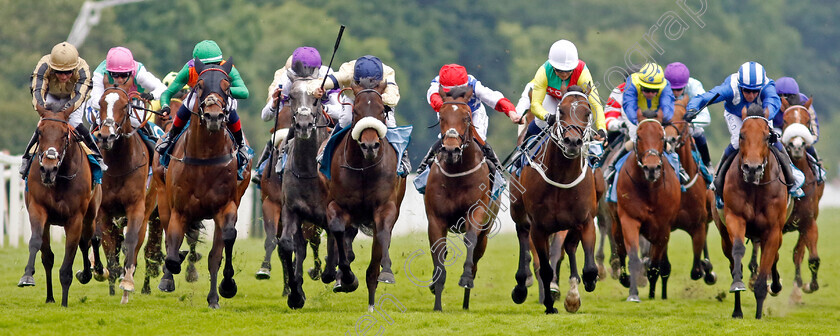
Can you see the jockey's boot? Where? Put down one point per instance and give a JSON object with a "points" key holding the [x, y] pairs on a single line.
{"points": [[427, 160], [815, 162], [405, 163], [88, 139], [790, 180], [720, 175], [703, 148], [150, 140], [263, 156], [26, 160], [243, 153], [166, 140], [609, 173], [493, 161]]}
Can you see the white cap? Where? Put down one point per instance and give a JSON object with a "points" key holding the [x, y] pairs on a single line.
{"points": [[563, 55]]}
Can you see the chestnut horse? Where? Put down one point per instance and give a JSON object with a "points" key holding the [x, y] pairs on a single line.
{"points": [[648, 192], [58, 192], [365, 191], [123, 188], [803, 218], [458, 193], [304, 190], [697, 200], [755, 204], [559, 180], [201, 181]]}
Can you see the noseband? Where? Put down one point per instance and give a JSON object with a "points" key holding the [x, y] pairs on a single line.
{"points": [[52, 153], [210, 100]]}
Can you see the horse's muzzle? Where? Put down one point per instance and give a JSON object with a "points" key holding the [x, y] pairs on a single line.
{"points": [[214, 121], [571, 146], [452, 155], [652, 172], [753, 173], [49, 174], [370, 149]]}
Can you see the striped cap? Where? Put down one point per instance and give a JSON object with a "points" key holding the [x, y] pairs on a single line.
{"points": [[752, 76]]}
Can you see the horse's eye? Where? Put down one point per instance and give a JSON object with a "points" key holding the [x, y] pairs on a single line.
{"points": [[741, 136]]}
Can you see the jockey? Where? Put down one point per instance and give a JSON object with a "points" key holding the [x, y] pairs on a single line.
{"points": [[61, 82], [119, 67], [454, 75], [682, 84], [787, 88], [749, 85], [656, 94], [310, 65], [208, 52], [561, 70], [352, 72]]}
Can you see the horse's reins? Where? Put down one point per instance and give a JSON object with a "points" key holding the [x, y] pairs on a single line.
{"points": [[585, 134]]}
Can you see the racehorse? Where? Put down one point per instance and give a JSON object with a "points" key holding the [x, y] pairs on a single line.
{"points": [[304, 190], [803, 217], [695, 202], [648, 192], [201, 181], [123, 187], [59, 192], [454, 197], [754, 206], [365, 191], [562, 182]]}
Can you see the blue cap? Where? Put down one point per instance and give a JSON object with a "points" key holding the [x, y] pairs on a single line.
{"points": [[368, 67]]}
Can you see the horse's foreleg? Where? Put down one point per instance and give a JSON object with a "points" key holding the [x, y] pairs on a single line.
{"points": [[373, 271], [630, 232], [153, 255], [338, 219], [214, 262], [570, 244], [384, 218], [226, 221], [480, 248], [331, 260], [698, 241], [193, 256], [776, 280], [556, 254], [769, 254], [540, 241], [73, 232], [134, 237], [437, 247], [599, 252], [48, 259], [813, 257], [753, 265], [37, 223], [665, 273], [174, 238], [520, 291], [736, 228], [312, 234], [590, 269], [111, 249], [271, 214], [711, 277], [84, 275], [287, 248]]}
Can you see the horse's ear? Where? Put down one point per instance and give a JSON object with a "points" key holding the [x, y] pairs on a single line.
{"points": [[785, 104], [639, 115], [684, 100], [808, 103], [382, 86], [198, 65], [228, 65], [744, 112]]}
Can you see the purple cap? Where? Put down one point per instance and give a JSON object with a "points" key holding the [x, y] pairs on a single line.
{"points": [[308, 56], [677, 74], [787, 85]]}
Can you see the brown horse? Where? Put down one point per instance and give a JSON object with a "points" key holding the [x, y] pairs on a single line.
{"points": [[561, 181], [803, 218], [58, 192], [123, 188], [695, 204], [455, 199], [754, 206], [648, 192], [201, 181], [365, 191]]}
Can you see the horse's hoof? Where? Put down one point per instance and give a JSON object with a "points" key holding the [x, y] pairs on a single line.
{"points": [[227, 289], [551, 310], [314, 273], [146, 289], [124, 299], [263, 274], [624, 280], [83, 276], [295, 300], [214, 305], [572, 303], [100, 277], [810, 287], [342, 288], [167, 285], [775, 288], [192, 273], [127, 286], [432, 288], [27, 280], [738, 315], [286, 291], [387, 277], [710, 278], [328, 276], [466, 283], [696, 274], [633, 298], [173, 266], [554, 290], [529, 281], [737, 286], [152, 269], [519, 294], [602, 272]]}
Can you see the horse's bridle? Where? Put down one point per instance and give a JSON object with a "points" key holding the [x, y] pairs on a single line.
{"points": [[649, 152], [128, 108], [51, 153], [767, 123], [206, 100], [562, 127], [465, 138]]}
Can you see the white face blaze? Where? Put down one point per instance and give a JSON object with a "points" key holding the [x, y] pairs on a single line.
{"points": [[110, 99]]}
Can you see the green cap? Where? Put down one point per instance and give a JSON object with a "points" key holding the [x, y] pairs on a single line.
{"points": [[207, 51]]}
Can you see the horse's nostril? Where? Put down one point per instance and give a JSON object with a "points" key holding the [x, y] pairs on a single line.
{"points": [[376, 145], [579, 142]]}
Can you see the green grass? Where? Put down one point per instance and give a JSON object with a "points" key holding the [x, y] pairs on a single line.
{"points": [[259, 308]]}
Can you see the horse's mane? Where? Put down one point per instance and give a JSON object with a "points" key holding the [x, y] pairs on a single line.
{"points": [[368, 83], [575, 88], [652, 114], [794, 99], [755, 110], [458, 92]]}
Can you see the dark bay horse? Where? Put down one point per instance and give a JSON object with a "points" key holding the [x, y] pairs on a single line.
{"points": [[455, 199], [365, 191], [59, 192], [560, 181], [648, 192], [123, 188], [304, 190], [755, 204], [201, 181], [803, 217], [696, 201]]}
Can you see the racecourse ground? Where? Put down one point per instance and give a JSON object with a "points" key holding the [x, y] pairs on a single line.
{"points": [[693, 308]]}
